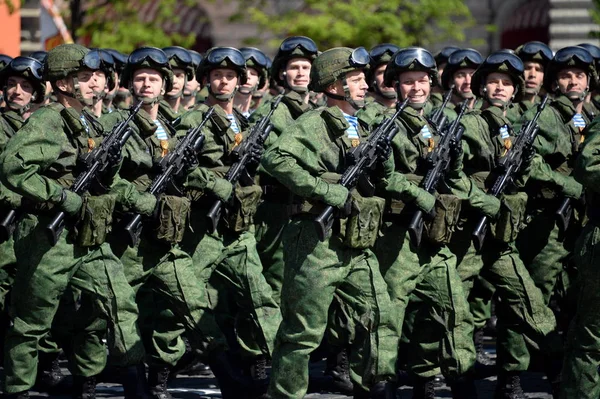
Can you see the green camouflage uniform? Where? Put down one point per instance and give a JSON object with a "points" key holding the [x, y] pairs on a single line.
{"points": [[307, 159], [271, 216], [39, 163], [159, 264], [580, 378], [228, 256]]}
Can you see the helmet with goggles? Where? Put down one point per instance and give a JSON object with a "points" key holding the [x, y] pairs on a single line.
{"points": [[570, 57], [180, 58], [408, 60], [257, 60], [27, 68], [150, 58], [292, 47], [223, 57], [460, 59], [501, 61]]}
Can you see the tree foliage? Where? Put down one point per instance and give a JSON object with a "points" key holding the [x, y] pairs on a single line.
{"points": [[364, 22], [118, 24]]}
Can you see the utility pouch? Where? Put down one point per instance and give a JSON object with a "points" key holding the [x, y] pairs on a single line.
{"points": [[361, 228], [173, 217], [240, 214], [511, 219], [95, 220], [447, 212]]}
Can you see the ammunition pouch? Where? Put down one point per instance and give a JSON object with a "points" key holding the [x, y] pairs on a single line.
{"points": [[95, 220], [361, 228], [447, 213], [239, 215], [512, 217], [173, 217]]}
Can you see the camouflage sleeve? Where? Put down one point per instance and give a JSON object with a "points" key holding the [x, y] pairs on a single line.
{"points": [[37, 146], [9, 198], [587, 165], [298, 158], [553, 138]]}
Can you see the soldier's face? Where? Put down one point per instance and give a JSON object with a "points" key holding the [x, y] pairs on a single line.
{"points": [[178, 81], [147, 83], [415, 86], [88, 84], [572, 81], [462, 82], [100, 82], [441, 68], [191, 86], [357, 85], [252, 80], [378, 77], [223, 80], [534, 76], [297, 72], [500, 87], [18, 91]]}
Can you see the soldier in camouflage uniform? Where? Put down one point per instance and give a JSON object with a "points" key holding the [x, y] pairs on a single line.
{"points": [[580, 378], [441, 59], [457, 77], [291, 69], [192, 86], [591, 104], [544, 248], [183, 70], [308, 159], [383, 98], [120, 60], [487, 137], [427, 271], [246, 311], [39, 163], [105, 75]]}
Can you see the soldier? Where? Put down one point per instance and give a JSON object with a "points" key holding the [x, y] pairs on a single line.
{"points": [[488, 135], [246, 311], [192, 86], [41, 57], [105, 75], [183, 71], [120, 60], [4, 60], [591, 107], [39, 163], [256, 64], [291, 68], [308, 159], [122, 96], [384, 97], [441, 59], [428, 270], [580, 377], [155, 262], [457, 77]]}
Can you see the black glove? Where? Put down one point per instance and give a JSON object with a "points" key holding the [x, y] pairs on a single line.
{"points": [[384, 150], [191, 160], [528, 154], [114, 154], [346, 210], [256, 155]]}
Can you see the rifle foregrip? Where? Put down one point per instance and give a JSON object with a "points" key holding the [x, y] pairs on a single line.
{"points": [[214, 215], [323, 222], [479, 233], [415, 228], [56, 227]]}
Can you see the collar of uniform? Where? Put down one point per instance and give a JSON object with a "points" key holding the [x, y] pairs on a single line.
{"points": [[295, 103], [334, 118], [166, 111], [144, 123], [13, 118], [565, 107], [495, 118], [413, 120]]}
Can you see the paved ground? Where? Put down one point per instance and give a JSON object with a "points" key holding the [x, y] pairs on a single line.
{"points": [[204, 387]]}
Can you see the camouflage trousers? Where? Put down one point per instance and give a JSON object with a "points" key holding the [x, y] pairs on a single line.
{"points": [[443, 329], [43, 274], [315, 273]]}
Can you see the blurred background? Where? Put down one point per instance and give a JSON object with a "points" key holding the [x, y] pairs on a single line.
{"points": [[486, 25]]}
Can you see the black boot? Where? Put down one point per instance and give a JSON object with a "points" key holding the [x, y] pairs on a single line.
{"points": [[49, 375], [84, 387], [228, 372], [157, 382], [424, 388], [463, 388], [135, 385], [338, 368], [383, 390], [482, 359], [18, 395], [509, 386]]}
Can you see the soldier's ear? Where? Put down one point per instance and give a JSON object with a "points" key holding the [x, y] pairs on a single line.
{"points": [[62, 84]]}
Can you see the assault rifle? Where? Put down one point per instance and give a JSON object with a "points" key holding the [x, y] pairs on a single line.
{"points": [[95, 162], [256, 140], [438, 162], [509, 166], [361, 159], [171, 165], [438, 118]]}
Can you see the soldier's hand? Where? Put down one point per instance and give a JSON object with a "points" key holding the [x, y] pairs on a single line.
{"points": [[114, 154]]}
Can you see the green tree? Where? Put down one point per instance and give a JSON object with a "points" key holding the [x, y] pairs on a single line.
{"points": [[362, 22], [118, 24]]}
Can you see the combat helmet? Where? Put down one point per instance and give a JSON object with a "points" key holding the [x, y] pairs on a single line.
{"points": [[503, 61], [27, 68], [571, 57], [292, 47], [151, 58], [223, 57], [459, 59], [260, 62], [380, 55]]}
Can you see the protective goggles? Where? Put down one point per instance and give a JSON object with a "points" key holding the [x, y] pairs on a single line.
{"points": [[153, 54], [24, 64], [381, 49], [460, 56], [255, 55], [179, 53], [568, 53], [291, 43], [406, 57], [593, 50], [99, 59], [359, 57], [445, 53], [219, 54], [504, 57], [533, 48], [196, 58]]}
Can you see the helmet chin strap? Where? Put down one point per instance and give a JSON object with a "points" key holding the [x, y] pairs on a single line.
{"points": [[356, 104], [390, 95], [248, 90], [174, 96], [222, 97], [19, 109]]}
